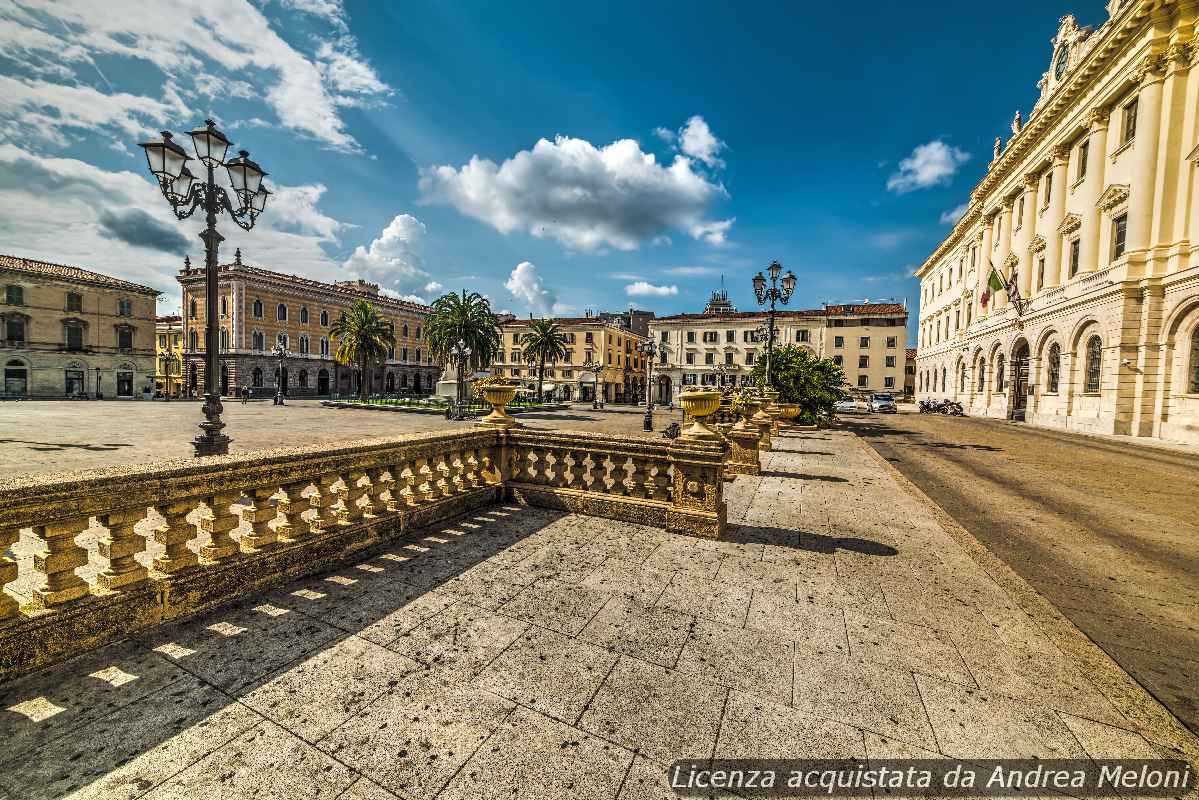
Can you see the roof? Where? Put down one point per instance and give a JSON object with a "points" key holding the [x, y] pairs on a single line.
{"points": [[169, 318], [866, 308], [65, 272], [826, 311], [571, 321], [910, 353]]}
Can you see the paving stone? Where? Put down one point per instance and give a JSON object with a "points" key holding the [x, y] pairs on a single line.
{"points": [[741, 658], [617, 576], [647, 781], [663, 714], [315, 695], [971, 723], [533, 756], [366, 789], [1107, 741], [816, 630], [460, 641], [413, 739], [405, 616], [562, 607], [757, 728], [485, 585], [547, 671], [267, 763], [132, 749], [904, 646], [652, 634], [725, 601]]}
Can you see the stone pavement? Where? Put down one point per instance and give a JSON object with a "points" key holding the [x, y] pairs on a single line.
{"points": [[522, 652]]}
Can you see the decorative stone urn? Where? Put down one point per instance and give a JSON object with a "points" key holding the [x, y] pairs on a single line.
{"points": [[764, 422], [698, 404], [748, 411], [498, 396]]}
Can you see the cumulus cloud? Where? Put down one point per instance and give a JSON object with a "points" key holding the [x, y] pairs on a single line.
{"points": [[433, 286], [951, 216], [691, 272], [586, 197], [697, 140], [136, 227], [930, 164], [526, 285], [647, 289], [395, 259], [228, 43]]}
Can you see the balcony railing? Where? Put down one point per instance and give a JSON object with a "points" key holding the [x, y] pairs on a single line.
{"points": [[163, 540]]}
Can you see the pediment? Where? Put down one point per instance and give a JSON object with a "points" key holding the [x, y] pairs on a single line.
{"points": [[1037, 244], [1071, 223], [1112, 196], [1194, 155]]}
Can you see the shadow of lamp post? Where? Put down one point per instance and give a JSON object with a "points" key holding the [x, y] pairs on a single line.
{"points": [[186, 193], [774, 294]]}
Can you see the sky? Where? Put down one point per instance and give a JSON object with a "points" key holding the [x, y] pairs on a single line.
{"points": [[553, 157]]}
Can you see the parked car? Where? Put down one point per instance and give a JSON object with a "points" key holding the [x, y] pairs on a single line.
{"points": [[882, 403], [846, 406]]}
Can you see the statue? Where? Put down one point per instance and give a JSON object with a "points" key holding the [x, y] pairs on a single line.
{"points": [[998, 147], [1017, 124]]}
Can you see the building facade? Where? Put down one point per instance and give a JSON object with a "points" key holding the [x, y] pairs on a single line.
{"points": [[70, 332], [720, 345], [1090, 216], [589, 339], [168, 356], [260, 309]]}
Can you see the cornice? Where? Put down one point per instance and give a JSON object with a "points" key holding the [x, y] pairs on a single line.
{"points": [[1070, 223], [1112, 196], [1194, 155], [1037, 244]]}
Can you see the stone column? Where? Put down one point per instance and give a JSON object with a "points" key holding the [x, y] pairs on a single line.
{"points": [[1092, 217], [8, 572], [1005, 248], [1027, 231], [1142, 182], [985, 258], [1054, 215]]}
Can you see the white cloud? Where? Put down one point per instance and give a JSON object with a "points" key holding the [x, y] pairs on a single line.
{"points": [[330, 10], [929, 164], [713, 232], [223, 40], [691, 271], [665, 134], [433, 286], [646, 289], [951, 216], [395, 259], [697, 140], [33, 107], [585, 196], [526, 286]]}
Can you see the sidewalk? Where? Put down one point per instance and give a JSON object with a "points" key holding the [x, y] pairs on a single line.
{"points": [[525, 652]]}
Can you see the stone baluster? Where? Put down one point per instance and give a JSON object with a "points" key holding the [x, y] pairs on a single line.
{"points": [[489, 473], [57, 563], [258, 515], [518, 464], [323, 502], [120, 546], [620, 474], [473, 478], [8, 572], [638, 477], [556, 472], [599, 473], [409, 493], [348, 492], [219, 523], [365, 485], [428, 481], [383, 489], [578, 470], [174, 534], [292, 525]]}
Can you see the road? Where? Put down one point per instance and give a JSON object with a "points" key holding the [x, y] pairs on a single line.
{"points": [[1107, 531]]}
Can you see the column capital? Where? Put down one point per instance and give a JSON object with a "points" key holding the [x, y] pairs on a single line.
{"points": [[1099, 116], [1150, 69], [1060, 155], [1031, 179]]}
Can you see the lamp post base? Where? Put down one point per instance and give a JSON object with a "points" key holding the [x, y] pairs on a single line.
{"points": [[647, 424], [210, 441]]}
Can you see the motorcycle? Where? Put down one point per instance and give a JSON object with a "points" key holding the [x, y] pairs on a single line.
{"points": [[950, 408]]}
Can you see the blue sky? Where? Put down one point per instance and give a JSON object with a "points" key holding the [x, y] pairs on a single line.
{"points": [[555, 158]]}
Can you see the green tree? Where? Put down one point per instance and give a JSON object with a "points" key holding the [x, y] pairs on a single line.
{"points": [[812, 383], [363, 340], [545, 341], [464, 317]]}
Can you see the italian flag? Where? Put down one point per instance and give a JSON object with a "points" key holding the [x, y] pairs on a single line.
{"points": [[994, 284]]}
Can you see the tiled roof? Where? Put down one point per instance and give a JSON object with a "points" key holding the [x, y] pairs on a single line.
{"points": [[65, 272], [563, 321], [169, 318], [866, 308], [910, 353], [827, 311]]}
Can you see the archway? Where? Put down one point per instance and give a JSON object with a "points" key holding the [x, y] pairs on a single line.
{"points": [[391, 383], [224, 379], [322, 382], [16, 379], [1019, 380], [664, 389]]}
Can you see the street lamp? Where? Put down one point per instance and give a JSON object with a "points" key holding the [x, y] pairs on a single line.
{"points": [[169, 362], [460, 353], [775, 293], [649, 351], [186, 193], [594, 368], [280, 353]]}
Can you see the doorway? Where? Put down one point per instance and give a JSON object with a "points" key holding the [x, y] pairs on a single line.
{"points": [[1020, 381]]}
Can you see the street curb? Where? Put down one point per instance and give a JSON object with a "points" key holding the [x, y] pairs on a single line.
{"points": [[1144, 712]]}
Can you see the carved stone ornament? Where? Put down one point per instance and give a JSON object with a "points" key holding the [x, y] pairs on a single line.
{"points": [[1031, 179], [1113, 196], [1099, 116], [1037, 244], [1153, 64], [1017, 122], [1011, 261], [1071, 223], [997, 148], [1060, 153]]}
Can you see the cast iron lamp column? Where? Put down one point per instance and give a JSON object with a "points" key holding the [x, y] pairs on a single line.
{"points": [[649, 351], [772, 295], [460, 352], [280, 353], [168, 163], [594, 368], [169, 361]]}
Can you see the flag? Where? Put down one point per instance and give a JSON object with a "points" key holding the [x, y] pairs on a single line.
{"points": [[994, 284]]}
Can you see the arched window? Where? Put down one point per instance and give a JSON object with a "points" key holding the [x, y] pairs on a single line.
{"points": [[224, 306], [257, 309], [257, 377], [1094, 363], [281, 339], [303, 315], [191, 308], [281, 312], [192, 340], [418, 355], [324, 319], [224, 339], [304, 345], [418, 331], [303, 379], [324, 346], [258, 340], [1000, 374], [1194, 368], [920, 381], [944, 386], [980, 376], [1054, 376], [404, 330]]}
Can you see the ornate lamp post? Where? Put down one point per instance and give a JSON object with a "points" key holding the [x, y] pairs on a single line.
{"points": [[774, 294], [649, 351], [186, 193], [460, 353], [280, 353], [169, 362], [594, 368]]}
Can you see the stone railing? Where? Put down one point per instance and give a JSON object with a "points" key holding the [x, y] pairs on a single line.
{"points": [[174, 538]]}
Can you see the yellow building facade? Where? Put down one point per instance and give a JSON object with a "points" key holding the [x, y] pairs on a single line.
{"points": [[260, 309], [621, 378], [168, 356], [1089, 215], [69, 332]]}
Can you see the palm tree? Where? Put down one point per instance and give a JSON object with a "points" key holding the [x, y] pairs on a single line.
{"points": [[464, 317], [364, 339], [545, 341]]}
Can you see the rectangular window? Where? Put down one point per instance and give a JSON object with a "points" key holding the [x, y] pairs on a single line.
{"points": [[74, 301], [801, 335], [14, 329], [709, 358], [588, 338], [1040, 272], [728, 359], [1129, 130], [664, 340], [749, 359], [863, 381], [838, 341], [888, 382], [690, 337], [890, 361], [892, 341], [1119, 232], [74, 337], [1075, 251], [1048, 188], [838, 360], [125, 339], [863, 362], [691, 358], [730, 336], [864, 341], [14, 295], [1083, 151]]}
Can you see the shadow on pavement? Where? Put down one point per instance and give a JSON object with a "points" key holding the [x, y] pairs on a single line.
{"points": [[804, 540]]}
